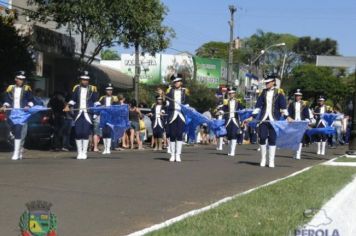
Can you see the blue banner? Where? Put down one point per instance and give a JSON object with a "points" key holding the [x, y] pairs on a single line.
{"points": [[329, 118], [289, 134], [116, 117], [21, 116], [244, 114], [321, 131], [194, 118]]}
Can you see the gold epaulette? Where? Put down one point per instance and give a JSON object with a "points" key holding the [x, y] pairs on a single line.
{"points": [[187, 92], [115, 98], [101, 98], [75, 87], [27, 88], [280, 91], [93, 88], [10, 88], [226, 102], [168, 89]]}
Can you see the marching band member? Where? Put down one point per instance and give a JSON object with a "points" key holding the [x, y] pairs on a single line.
{"points": [[106, 101], [270, 104], [232, 121], [158, 120], [18, 96], [177, 96], [220, 115], [320, 123], [84, 96], [298, 111]]}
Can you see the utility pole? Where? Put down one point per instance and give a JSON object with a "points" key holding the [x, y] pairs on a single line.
{"points": [[232, 9]]}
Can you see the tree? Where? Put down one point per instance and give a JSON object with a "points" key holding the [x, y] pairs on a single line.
{"points": [[14, 53], [315, 81], [201, 97], [144, 30], [98, 21], [272, 59], [309, 48], [109, 55]]}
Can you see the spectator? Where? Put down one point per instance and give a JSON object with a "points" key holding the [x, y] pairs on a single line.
{"points": [[134, 117], [39, 98], [337, 124], [57, 104]]}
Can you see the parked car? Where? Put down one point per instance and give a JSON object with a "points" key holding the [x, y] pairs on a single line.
{"points": [[39, 132], [6, 138]]}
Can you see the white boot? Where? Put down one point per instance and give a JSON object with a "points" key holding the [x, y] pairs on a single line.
{"points": [[21, 150], [319, 148], [271, 155], [323, 146], [263, 149], [299, 152], [229, 143], [179, 150], [168, 146], [172, 146], [108, 146], [233, 147], [220, 144], [85, 148], [17, 147], [79, 143], [105, 141]]}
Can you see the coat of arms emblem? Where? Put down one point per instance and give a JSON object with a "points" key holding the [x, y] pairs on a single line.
{"points": [[38, 220]]}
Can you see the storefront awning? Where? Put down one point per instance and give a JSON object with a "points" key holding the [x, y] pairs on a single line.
{"points": [[109, 75]]}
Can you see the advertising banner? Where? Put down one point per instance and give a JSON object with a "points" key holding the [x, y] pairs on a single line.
{"points": [[149, 66], [208, 71]]}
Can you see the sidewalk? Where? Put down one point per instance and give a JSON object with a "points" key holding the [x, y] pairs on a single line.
{"points": [[337, 216]]}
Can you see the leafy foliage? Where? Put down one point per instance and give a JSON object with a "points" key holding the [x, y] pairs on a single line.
{"points": [[14, 54], [99, 21], [144, 28], [201, 97], [315, 81], [109, 55], [309, 48]]}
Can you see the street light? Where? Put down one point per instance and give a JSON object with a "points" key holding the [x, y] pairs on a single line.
{"points": [[262, 52]]}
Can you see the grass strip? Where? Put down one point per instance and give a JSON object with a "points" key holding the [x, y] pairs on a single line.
{"points": [[345, 159], [273, 210]]}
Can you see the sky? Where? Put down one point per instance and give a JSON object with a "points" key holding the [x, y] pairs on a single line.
{"points": [[199, 21]]}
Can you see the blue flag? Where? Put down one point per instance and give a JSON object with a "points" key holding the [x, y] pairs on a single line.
{"points": [[194, 118], [329, 118], [289, 134], [244, 114], [116, 117], [321, 131], [21, 116]]}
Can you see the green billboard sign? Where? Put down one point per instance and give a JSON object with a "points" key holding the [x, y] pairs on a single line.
{"points": [[208, 71]]}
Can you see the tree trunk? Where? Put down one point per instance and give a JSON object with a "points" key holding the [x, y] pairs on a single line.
{"points": [[137, 71]]}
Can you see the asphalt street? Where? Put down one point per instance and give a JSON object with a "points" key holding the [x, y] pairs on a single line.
{"points": [[131, 190]]}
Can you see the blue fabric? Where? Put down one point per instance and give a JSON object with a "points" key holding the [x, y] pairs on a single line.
{"points": [[194, 118], [244, 114], [329, 118], [116, 117], [321, 131], [289, 134], [21, 116]]}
